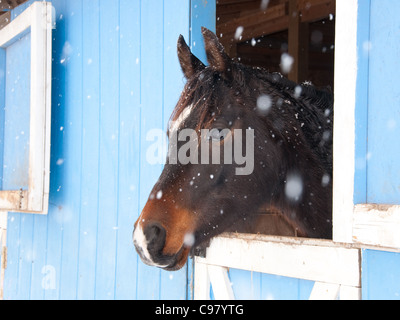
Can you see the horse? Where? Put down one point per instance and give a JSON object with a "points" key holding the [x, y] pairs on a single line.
{"points": [[291, 126]]}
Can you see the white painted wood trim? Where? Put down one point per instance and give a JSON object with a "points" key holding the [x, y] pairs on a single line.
{"points": [[39, 20], [321, 261], [14, 200], [201, 281], [40, 104], [344, 118], [350, 293], [16, 29], [336, 268], [377, 225], [325, 291], [50, 25], [220, 283], [370, 225]]}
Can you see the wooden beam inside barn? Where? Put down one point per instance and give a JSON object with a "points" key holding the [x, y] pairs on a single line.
{"points": [[290, 21], [298, 43], [257, 22]]}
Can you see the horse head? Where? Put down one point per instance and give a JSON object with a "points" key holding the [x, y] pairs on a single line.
{"points": [[236, 143]]}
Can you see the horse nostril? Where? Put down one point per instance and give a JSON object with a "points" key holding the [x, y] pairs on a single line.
{"points": [[155, 235]]}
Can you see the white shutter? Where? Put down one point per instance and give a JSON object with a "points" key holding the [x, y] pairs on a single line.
{"points": [[38, 21]]}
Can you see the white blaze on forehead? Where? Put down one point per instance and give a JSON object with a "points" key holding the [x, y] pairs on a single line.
{"points": [[175, 125]]}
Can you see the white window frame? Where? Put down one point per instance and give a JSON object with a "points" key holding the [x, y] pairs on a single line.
{"points": [[38, 19], [373, 225], [335, 265]]}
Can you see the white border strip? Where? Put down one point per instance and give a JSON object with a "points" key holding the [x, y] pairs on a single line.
{"points": [[344, 119]]}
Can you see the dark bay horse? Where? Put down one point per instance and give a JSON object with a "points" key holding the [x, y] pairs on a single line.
{"points": [[288, 166]]}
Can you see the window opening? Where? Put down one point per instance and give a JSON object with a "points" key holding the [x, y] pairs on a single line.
{"points": [[264, 34]]}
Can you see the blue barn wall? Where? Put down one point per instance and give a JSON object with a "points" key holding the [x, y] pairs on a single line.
{"points": [[384, 104], [115, 77], [260, 286], [377, 178], [380, 275]]}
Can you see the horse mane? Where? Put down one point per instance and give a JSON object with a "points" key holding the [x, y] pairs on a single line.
{"points": [[311, 106]]}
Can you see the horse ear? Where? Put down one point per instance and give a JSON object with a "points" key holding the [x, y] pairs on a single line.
{"points": [[216, 55], [189, 63]]}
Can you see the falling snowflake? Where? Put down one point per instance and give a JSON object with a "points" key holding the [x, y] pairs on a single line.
{"points": [[238, 33], [294, 187], [264, 104], [286, 63]]}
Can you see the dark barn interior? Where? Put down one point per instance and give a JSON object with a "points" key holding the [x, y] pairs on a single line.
{"points": [[305, 29]]}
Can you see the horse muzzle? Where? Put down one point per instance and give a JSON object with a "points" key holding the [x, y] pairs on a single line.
{"points": [[149, 241]]}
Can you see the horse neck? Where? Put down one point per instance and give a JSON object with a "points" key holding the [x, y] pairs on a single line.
{"points": [[311, 214]]}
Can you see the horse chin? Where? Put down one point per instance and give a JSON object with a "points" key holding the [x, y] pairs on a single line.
{"points": [[179, 261]]}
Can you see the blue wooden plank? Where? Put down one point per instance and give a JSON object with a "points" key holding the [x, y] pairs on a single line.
{"points": [[283, 288], [173, 284], [90, 151], [129, 127], [174, 80], [109, 149], [152, 17], [361, 112], [41, 274], [11, 284], [203, 14], [26, 257], [22, 258], [246, 285], [258, 286], [70, 163], [384, 104], [380, 275], [57, 176]]}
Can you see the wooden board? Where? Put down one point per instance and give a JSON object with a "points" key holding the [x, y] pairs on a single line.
{"points": [[377, 225], [315, 260]]}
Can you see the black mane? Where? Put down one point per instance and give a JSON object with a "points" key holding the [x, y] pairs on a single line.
{"points": [[311, 107]]}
